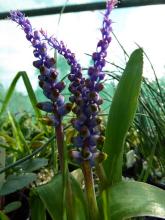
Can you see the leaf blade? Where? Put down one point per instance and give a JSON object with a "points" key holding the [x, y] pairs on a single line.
{"points": [[131, 199], [16, 182], [51, 196], [121, 115]]}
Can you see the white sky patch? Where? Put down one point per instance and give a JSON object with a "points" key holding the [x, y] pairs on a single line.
{"points": [[80, 32], [31, 4]]}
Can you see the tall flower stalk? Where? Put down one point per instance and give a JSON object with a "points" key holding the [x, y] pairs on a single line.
{"points": [[85, 97]]}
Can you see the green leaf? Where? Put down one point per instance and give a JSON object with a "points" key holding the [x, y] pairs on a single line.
{"points": [[131, 199], [12, 206], [51, 196], [38, 211], [12, 88], [20, 139], [2, 165], [17, 182], [121, 115], [15, 133], [80, 206], [30, 92], [33, 164], [3, 216]]}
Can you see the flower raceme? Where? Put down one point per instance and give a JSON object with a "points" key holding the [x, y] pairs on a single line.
{"points": [[84, 98], [88, 101], [48, 74]]}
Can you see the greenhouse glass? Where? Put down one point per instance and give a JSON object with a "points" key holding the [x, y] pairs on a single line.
{"points": [[82, 110], [131, 26], [34, 4]]}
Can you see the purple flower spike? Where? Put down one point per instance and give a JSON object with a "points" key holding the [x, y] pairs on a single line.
{"points": [[88, 99], [99, 56], [85, 91], [75, 76], [48, 74]]}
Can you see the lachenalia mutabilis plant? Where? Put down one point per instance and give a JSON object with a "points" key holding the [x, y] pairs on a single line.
{"points": [[85, 102]]}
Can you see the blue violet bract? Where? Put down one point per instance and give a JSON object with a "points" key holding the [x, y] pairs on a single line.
{"points": [[85, 100]]}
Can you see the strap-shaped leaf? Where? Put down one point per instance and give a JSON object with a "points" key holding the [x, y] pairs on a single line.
{"points": [[51, 195], [131, 199], [38, 211], [121, 115]]}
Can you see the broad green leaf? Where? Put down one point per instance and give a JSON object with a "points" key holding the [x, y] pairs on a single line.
{"points": [[3, 216], [17, 182], [121, 115], [131, 199], [37, 208], [33, 164], [51, 196], [12, 206]]}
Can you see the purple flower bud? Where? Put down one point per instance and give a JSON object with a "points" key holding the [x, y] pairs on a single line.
{"points": [[60, 100], [55, 120], [53, 75], [60, 85], [37, 35], [65, 109], [77, 124], [75, 156], [94, 122], [49, 62], [45, 106], [99, 87], [38, 63], [78, 142], [101, 76], [84, 132]]}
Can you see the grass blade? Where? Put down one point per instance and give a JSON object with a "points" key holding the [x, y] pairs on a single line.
{"points": [[30, 92]]}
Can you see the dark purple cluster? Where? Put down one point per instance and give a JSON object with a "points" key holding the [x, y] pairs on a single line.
{"points": [[75, 76], [48, 74], [85, 94], [85, 97], [87, 123]]}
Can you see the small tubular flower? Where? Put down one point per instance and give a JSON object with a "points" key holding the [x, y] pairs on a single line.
{"points": [[75, 76], [46, 65]]}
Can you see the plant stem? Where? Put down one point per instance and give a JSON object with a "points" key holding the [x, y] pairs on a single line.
{"points": [[90, 192], [68, 208], [101, 175], [60, 145]]}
